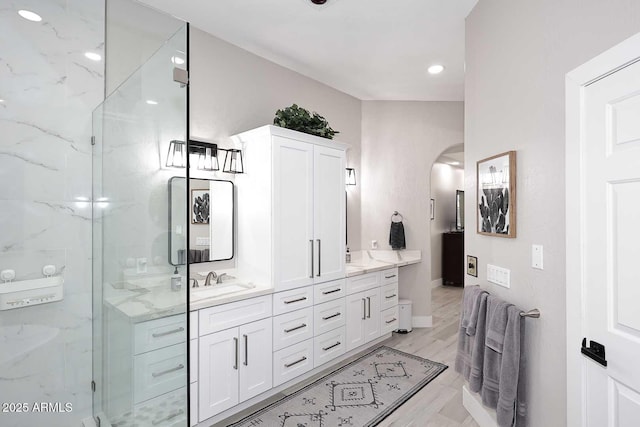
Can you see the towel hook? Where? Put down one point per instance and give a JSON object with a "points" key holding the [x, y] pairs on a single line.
{"points": [[395, 213], [535, 313]]}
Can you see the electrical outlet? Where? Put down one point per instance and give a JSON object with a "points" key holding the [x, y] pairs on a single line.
{"points": [[498, 275], [202, 241], [536, 257], [374, 244]]}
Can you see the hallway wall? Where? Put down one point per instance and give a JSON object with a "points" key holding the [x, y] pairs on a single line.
{"points": [[517, 55]]}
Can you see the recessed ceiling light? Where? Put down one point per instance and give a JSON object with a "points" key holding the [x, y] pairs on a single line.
{"points": [[454, 163], [152, 102], [30, 16], [177, 60], [435, 69], [92, 56]]}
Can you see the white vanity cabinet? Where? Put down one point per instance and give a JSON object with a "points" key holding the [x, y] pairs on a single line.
{"points": [[291, 208], [363, 318]]}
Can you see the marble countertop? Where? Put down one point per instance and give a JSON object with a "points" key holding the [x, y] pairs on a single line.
{"points": [[363, 262], [200, 299]]}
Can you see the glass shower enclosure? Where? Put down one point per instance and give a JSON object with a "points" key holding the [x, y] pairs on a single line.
{"points": [[140, 303]]}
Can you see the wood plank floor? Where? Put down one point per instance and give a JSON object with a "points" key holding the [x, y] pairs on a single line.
{"points": [[439, 404]]}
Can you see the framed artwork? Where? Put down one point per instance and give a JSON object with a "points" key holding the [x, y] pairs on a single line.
{"points": [[472, 266], [496, 179], [199, 206], [433, 209]]}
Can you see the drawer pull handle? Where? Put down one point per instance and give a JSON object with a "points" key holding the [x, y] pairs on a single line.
{"points": [[332, 316], [288, 365], [296, 300], [390, 277], [391, 296], [168, 417], [235, 359], [164, 334], [331, 346], [391, 321], [168, 371], [332, 291], [304, 325]]}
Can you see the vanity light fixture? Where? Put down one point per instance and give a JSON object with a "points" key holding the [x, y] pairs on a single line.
{"points": [[176, 157], [207, 154], [30, 16], [233, 161], [350, 176]]}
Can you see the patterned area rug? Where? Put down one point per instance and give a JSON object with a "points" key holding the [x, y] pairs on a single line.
{"points": [[359, 394]]}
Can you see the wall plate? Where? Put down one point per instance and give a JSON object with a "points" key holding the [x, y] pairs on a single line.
{"points": [[472, 266]]}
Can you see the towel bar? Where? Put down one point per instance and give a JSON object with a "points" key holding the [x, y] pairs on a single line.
{"points": [[535, 313]]}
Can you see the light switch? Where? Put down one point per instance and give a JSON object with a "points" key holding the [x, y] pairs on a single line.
{"points": [[536, 257], [499, 275]]}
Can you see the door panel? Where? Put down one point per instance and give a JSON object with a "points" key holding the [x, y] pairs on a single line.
{"points": [[219, 364], [256, 359], [372, 323], [356, 315]]}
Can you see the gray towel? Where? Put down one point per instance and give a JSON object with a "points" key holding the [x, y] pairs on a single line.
{"points": [[471, 302], [495, 330], [476, 375], [396, 236], [511, 409]]}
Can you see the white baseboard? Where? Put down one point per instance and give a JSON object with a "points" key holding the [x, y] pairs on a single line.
{"points": [[436, 283], [422, 321], [89, 422], [484, 416]]}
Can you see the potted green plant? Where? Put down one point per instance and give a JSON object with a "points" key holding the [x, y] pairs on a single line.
{"points": [[298, 118]]}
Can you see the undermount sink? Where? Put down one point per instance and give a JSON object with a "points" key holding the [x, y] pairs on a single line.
{"points": [[221, 289]]}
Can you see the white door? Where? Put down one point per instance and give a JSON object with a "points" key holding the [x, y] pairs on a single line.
{"points": [[256, 358], [294, 243], [219, 364], [372, 321], [356, 316], [329, 213], [611, 237]]}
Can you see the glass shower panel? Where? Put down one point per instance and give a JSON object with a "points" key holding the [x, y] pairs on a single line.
{"points": [[140, 300]]}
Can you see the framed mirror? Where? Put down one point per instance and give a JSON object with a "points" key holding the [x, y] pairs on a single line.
{"points": [[211, 220], [459, 210]]}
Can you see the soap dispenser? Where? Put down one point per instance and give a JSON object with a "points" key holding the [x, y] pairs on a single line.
{"points": [[348, 256], [176, 281]]}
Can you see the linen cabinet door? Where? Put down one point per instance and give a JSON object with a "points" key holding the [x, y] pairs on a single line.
{"points": [[329, 213], [293, 243], [356, 315], [372, 322], [219, 364], [256, 358]]}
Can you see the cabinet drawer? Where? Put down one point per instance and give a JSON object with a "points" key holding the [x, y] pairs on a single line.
{"points": [[362, 283], [158, 372], [389, 276], [238, 313], [328, 316], [329, 291], [328, 346], [159, 333], [295, 299], [389, 320], [291, 328], [389, 296], [193, 360], [292, 361], [193, 324]]}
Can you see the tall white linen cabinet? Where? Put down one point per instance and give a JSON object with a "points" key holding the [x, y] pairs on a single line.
{"points": [[290, 208]]}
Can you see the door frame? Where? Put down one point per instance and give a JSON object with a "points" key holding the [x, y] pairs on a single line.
{"points": [[614, 59]]}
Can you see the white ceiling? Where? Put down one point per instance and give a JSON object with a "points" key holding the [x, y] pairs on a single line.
{"points": [[371, 49]]}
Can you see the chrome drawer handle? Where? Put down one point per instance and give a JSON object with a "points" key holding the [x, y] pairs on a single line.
{"points": [[391, 296], [168, 417], [331, 346], [330, 292], [390, 277], [168, 371], [235, 360], [288, 365], [364, 308], [163, 334], [246, 349], [391, 321], [295, 300], [331, 317], [319, 258], [304, 325]]}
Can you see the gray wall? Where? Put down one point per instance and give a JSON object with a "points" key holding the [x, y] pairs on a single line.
{"points": [[400, 143], [233, 90], [517, 54]]}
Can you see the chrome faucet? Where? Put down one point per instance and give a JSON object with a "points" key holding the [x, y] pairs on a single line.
{"points": [[219, 279], [211, 275], [194, 283]]}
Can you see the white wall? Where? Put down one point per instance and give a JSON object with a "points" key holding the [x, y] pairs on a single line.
{"points": [[400, 143], [233, 90], [49, 90], [517, 54], [445, 180]]}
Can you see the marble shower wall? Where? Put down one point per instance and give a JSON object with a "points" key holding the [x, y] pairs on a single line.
{"points": [[49, 89]]}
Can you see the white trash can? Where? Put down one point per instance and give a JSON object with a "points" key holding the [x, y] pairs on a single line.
{"points": [[404, 313]]}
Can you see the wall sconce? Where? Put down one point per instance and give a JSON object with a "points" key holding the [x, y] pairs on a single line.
{"points": [[350, 176], [176, 157], [207, 155], [233, 161]]}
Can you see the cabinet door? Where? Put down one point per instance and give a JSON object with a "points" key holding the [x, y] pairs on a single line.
{"points": [[293, 245], [256, 358], [219, 363], [329, 213], [356, 315], [372, 321]]}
